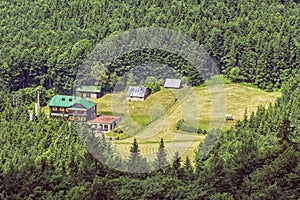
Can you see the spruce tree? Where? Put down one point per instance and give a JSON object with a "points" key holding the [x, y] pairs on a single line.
{"points": [[136, 163], [161, 154], [188, 169], [176, 169], [285, 131]]}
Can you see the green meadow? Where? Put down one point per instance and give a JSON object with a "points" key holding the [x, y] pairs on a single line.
{"points": [[202, 107]]}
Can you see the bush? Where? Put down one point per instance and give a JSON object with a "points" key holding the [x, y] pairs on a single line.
{"points": [[152, 83], [28, 96], [181, 126]]}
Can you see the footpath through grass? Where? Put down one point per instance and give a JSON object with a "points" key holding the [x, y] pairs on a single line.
{"points": [[195, 104]]}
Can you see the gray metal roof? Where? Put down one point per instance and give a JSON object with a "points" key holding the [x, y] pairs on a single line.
{"points": [[172, 83], [136, 91]]}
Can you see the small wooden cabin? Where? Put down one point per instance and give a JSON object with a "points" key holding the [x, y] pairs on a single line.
{"points": [[172, 83], [73, 108], [89, 91], [137, 93]]}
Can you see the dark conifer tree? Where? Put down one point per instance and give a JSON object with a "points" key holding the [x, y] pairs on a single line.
{"points": [[136, 163], [161, 156]]}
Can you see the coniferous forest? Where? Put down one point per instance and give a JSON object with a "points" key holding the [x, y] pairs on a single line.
{"points": [[43, 44]]}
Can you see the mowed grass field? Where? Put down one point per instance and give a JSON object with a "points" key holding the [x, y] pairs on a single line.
{"points": [[203, 107]]}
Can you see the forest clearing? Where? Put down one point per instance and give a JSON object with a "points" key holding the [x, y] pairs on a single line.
{"points": [[157, 108], [121, 99]]}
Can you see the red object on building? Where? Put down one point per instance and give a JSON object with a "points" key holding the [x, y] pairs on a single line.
{"points": [[104, 123]]}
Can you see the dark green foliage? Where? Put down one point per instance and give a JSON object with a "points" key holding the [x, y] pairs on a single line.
{"points": [[188, 169], [136, 163], [258, 158], [161, 157], [285, 131], [180, 125], [44, 43], [175, 169], [152, 83], [28, 96], [42, 158]]}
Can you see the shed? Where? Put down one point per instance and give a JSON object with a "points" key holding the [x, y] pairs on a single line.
{"points": [[89, 91], [229, 116], [172, 83], [104, 123], [137, 93]]}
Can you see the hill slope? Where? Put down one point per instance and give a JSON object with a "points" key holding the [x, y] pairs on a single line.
{"points": [[137, 115]]}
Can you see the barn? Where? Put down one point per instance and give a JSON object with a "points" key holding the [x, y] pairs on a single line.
{"points": [[172, 83], [137, 93]]}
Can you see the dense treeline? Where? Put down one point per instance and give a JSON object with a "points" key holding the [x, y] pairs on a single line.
{"points": [[259, 157], [44, 42], [256, 159]]}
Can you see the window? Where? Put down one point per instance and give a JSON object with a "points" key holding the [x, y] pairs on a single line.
{"points": [[54, 108], [61, 109], [105, 127]]}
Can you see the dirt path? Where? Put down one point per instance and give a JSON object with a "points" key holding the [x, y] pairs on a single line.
{"points": [[164, 127]]}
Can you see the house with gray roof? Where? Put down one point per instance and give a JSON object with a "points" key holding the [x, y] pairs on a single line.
{"points": [[137, 93], [172, 83]]}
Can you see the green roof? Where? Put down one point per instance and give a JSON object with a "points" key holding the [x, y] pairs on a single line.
{"points": [[69, 101], [88, 88]]}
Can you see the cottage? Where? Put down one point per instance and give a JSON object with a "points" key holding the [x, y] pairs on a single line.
{"points": [[89, 91], [172, 83], [104, 123], [137, 93], [72, 108]]}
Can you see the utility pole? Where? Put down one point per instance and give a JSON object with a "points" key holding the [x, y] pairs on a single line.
{"points": [[15, 101], [37, 105]]}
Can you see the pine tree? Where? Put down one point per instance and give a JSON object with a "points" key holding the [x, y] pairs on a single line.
{"points": [[176, 170], [285, 131], [188, 169], [136, 163], [161, 154]]}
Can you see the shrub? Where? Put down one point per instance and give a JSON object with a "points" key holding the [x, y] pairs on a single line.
{"points": [[152, 83]]}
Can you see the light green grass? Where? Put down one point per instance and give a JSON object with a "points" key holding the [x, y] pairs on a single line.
{"points": [[190, 102], [196, 101], [140, 113], [238, 98]]}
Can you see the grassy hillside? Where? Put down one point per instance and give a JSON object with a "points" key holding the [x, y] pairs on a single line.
{"points": [[165, 111], [238, 98]]}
